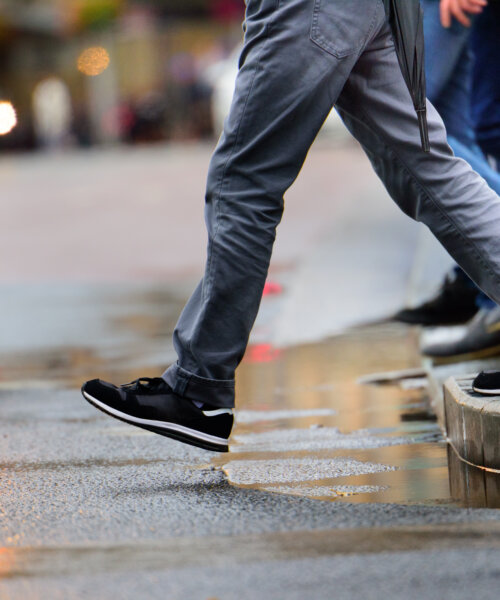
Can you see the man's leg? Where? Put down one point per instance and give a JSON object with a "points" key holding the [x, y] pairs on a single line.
{"points": [[436, 188], [448, 69], [291, 74], [486, 111], [297, 56], [486, 83]]}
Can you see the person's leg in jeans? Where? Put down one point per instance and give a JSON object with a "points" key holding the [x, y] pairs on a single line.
{"points": [[485, 92], [486, 81], [448, 75], [481, 336], [448, 69], [285, 88], [486, 114], [300, 56]]}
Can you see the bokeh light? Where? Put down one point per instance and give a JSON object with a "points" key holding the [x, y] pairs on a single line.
{"points": [[8, 118], [93, 61]]}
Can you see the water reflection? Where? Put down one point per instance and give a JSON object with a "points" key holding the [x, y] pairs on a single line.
{"points": [[61, 336], [377, 443]]}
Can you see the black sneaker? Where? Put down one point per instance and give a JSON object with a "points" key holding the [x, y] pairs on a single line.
{"points": [[480, 339], [455, 303], [151, 404], [487, 383]]}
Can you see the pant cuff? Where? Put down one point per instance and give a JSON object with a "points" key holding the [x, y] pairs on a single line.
{"points": [[216, 392]]}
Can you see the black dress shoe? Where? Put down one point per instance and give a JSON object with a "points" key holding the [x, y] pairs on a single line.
{"points": [[151, 404], [480, 340], [455, 303], [487, 383]]}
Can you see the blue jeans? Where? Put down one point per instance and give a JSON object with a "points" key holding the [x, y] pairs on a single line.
{"points": [[448, 69], [486, 85]]}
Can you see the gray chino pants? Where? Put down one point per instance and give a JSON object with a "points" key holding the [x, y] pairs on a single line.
{"points": [[301, 57]]}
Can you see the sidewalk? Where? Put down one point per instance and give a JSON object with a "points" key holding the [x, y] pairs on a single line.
{"points": [[330, 486], [328, 482]]}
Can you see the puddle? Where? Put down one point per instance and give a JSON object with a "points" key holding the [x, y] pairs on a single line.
{"points": [[318, 438], [259, 416], [329, 435], [62, 335], [324, 491]]}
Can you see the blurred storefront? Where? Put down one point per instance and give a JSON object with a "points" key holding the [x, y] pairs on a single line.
{"points": [[86, 72]]}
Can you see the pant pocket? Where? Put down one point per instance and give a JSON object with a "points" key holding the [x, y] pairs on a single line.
{"points": [[342, 27]]}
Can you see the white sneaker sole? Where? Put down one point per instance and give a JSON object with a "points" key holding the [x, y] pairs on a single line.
{"points": [[172, 430], [486, 392]]}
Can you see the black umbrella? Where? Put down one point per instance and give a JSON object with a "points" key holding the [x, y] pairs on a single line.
{"points": [[405, 19]]}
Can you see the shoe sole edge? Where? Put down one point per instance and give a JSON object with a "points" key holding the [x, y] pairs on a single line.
{"points": [[171, 430], [464, 356], [485, 392]]}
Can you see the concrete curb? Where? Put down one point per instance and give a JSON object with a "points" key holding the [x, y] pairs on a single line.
{"points": [[473, 427], [438, 374], [472, 423]]}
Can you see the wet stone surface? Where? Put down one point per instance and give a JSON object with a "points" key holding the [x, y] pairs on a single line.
{"points": [[91, 505]]}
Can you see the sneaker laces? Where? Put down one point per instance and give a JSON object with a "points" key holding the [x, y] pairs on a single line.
{"points": [[147, 384]]}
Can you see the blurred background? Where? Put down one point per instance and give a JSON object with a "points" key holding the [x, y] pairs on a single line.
{"points": [[93, 72]]}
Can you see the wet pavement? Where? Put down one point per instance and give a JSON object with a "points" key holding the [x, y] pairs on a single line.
{"points": [[322, 468], [335, 484], [377, 444], [304, 424]]}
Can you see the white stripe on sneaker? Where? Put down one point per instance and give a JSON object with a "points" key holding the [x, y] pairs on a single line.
{"points": [[217, 412], [212, 439], [486, 392]]}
